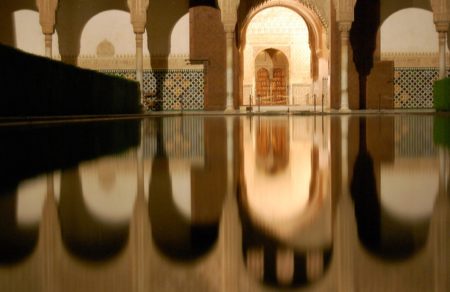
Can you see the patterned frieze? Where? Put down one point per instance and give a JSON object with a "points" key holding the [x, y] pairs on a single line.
{"points": [[417, 60], [128, 62]]}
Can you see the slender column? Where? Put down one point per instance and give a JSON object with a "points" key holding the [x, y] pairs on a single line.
{"points": [[230, 75], [49, 237], [48, 45], [230, 231], [139, 226], [345, 222], [440, 229], [47, 13], [344, 28], [138, 13], [442, 54], [140, 61]]}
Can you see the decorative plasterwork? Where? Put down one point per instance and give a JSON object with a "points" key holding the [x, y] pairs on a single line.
{"points": [[345, 10], [413, 60], [310, 15], [440, 11], [138, 13], [129, 62], [228, 11], [284, 49], [47, 11], [309, 4]]}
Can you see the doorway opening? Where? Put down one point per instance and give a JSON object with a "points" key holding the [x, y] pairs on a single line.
{"points": [[284, 58], [272, 78]]}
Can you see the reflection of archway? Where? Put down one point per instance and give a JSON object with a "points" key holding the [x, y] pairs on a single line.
{"points": [[272, 77], [272, 147], [284, 204]]}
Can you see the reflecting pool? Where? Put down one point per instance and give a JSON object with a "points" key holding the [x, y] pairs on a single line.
{"points": [[237, 203]]}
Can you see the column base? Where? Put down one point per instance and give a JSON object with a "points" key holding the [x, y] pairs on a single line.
{"points": [[229, 110]]}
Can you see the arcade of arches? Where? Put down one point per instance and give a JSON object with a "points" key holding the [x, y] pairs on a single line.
{"points": [[229, 54]]}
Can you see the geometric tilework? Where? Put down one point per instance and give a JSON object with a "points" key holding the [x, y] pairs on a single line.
{"points": [[414, 136], [178, 88], [413, 87]]}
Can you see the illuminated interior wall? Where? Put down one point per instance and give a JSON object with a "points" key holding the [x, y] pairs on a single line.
{"points": [[282, 29], [280, 162]]}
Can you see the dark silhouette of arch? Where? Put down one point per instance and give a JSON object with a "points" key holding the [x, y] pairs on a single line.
{"points": [[173, 235], [372, 222], [16, 242], [7, 29], [84, 235]]}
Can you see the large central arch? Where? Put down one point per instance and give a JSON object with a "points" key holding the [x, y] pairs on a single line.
{"points": [[317, 42]]}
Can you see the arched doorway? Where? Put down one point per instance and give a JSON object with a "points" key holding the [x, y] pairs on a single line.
{"points": [[291, 37], [272, 78]]}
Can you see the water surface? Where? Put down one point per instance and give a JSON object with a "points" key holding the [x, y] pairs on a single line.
{"points": [[207, 203]]}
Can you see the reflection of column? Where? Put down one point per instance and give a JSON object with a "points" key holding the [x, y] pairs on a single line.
{"points": [[47, 11], [285, 266], [344, 28], [230, 229], [441, 230], [345, 222], [139, 226], [230, 75], [49, 238]]}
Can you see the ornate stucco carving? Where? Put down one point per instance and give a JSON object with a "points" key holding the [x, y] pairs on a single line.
{"points": [[441, 11], [138, 13], [47, 11], [345, 10], [228, 11], [412, 59]]}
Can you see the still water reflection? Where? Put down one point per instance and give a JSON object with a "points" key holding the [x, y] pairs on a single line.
{"points": [[326, 203]]}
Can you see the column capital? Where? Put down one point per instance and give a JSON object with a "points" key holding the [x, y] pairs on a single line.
{"points": [[138, 13], [344, 26], [441, 26], [47, 15]]}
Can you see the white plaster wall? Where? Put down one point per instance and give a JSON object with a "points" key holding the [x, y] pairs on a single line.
{"points": [[179, 39], [113, 26], [28, 33], [409, 30]]}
